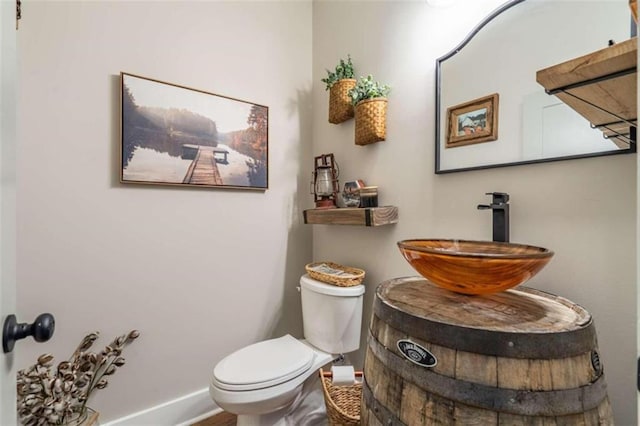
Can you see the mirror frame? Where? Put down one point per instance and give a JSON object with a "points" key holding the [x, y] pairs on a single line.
{"points": [[503, 8]]}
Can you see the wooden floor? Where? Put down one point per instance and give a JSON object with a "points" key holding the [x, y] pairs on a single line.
{"points": [[222, 419]]}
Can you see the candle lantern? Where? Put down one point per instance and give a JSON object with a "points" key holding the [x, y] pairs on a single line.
{"points": [[325, 181]]}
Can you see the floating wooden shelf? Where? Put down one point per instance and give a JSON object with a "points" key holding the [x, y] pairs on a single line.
{"points": [[600, 86], [370, 216]]}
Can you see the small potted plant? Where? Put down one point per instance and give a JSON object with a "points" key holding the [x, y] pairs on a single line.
{"points": [[339, 82], [369, 98], [58, 395]]}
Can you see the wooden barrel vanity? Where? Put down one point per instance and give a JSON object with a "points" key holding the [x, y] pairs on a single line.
{"points": [[516, 357]]}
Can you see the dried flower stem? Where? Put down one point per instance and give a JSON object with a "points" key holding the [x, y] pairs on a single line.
{"points": [[50, 395]]}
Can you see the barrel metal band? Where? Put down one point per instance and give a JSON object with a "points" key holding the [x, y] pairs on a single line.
{"points": [[489, 342], [520, 402]]}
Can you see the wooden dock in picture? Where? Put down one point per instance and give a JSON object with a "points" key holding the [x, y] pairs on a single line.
{"points": [[190, 151], [204, 167]]}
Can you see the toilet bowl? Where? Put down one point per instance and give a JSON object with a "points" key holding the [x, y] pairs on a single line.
{"points": [[266, 382], [266, 376]]}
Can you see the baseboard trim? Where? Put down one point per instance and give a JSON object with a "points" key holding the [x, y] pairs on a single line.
{"points": [[182, 411], [202, 417]]}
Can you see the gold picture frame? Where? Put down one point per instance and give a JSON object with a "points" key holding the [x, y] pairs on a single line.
{"points": [[473, 122]]}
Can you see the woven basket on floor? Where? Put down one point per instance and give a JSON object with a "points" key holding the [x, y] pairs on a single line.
{"points": [[343, 402], [371, 121], [355, 275], [340, 108]]}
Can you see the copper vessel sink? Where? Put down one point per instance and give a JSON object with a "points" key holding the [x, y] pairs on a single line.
{"points": [[474, 267]]}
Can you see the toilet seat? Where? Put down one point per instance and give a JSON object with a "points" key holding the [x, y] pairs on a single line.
{"points": [[263, 364], [268, 399]]}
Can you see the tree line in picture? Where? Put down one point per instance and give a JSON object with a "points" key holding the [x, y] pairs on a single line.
{"points": [[162, 129], [252, 142]]}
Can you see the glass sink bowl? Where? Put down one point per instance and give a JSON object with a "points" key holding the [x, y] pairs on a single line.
{"points": [[474, 267]]}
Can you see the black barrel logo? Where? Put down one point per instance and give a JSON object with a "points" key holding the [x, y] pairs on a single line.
{"points": [[416, 353]]}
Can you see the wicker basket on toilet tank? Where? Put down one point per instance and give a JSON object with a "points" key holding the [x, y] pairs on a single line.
{"points": [[335, 274]]}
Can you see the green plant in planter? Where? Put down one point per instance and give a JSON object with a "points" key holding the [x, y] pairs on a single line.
{"points": [[367, 88], [343, 70]]}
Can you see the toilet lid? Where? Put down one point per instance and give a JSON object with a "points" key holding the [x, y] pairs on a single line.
{"points": [[263, 364]]}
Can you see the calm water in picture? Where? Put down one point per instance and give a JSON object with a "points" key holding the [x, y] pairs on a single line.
{"points": [[148, 165]]}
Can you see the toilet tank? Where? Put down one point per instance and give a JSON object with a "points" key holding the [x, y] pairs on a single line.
{"points": [[331, 315]]}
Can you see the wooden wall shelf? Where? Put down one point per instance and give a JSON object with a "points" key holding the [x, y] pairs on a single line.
{"points": [[370, 216], [600, 86]]}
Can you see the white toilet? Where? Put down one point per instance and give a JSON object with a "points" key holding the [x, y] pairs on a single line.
{"points": [[264, 382]]}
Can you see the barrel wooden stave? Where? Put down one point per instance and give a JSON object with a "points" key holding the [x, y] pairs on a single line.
{"points": [[511, 373], [394, 399], [409, 404]]}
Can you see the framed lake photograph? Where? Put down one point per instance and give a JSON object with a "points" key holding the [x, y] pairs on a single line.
{"points": [[175, 135], [473, 122]]}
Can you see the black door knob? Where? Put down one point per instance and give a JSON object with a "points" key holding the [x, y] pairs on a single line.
{"points": [[41, 330]]}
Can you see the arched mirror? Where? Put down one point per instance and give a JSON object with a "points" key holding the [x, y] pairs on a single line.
{"points": [[491, 112]]}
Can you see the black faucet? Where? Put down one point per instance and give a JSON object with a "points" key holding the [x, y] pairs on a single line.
{"points": [[500, 207]]}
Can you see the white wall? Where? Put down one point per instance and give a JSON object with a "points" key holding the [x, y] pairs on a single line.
{"points": [[584, 210], [8, 146], [199, 272]]}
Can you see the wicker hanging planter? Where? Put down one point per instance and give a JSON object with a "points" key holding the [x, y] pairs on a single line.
{"points": [[340, 108], [371, 121]]}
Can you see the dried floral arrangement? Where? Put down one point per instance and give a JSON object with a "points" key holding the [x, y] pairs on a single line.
{"points": [[49, 395]]}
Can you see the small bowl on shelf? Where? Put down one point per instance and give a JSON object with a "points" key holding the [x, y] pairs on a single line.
{"points": [[474, 267]]}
